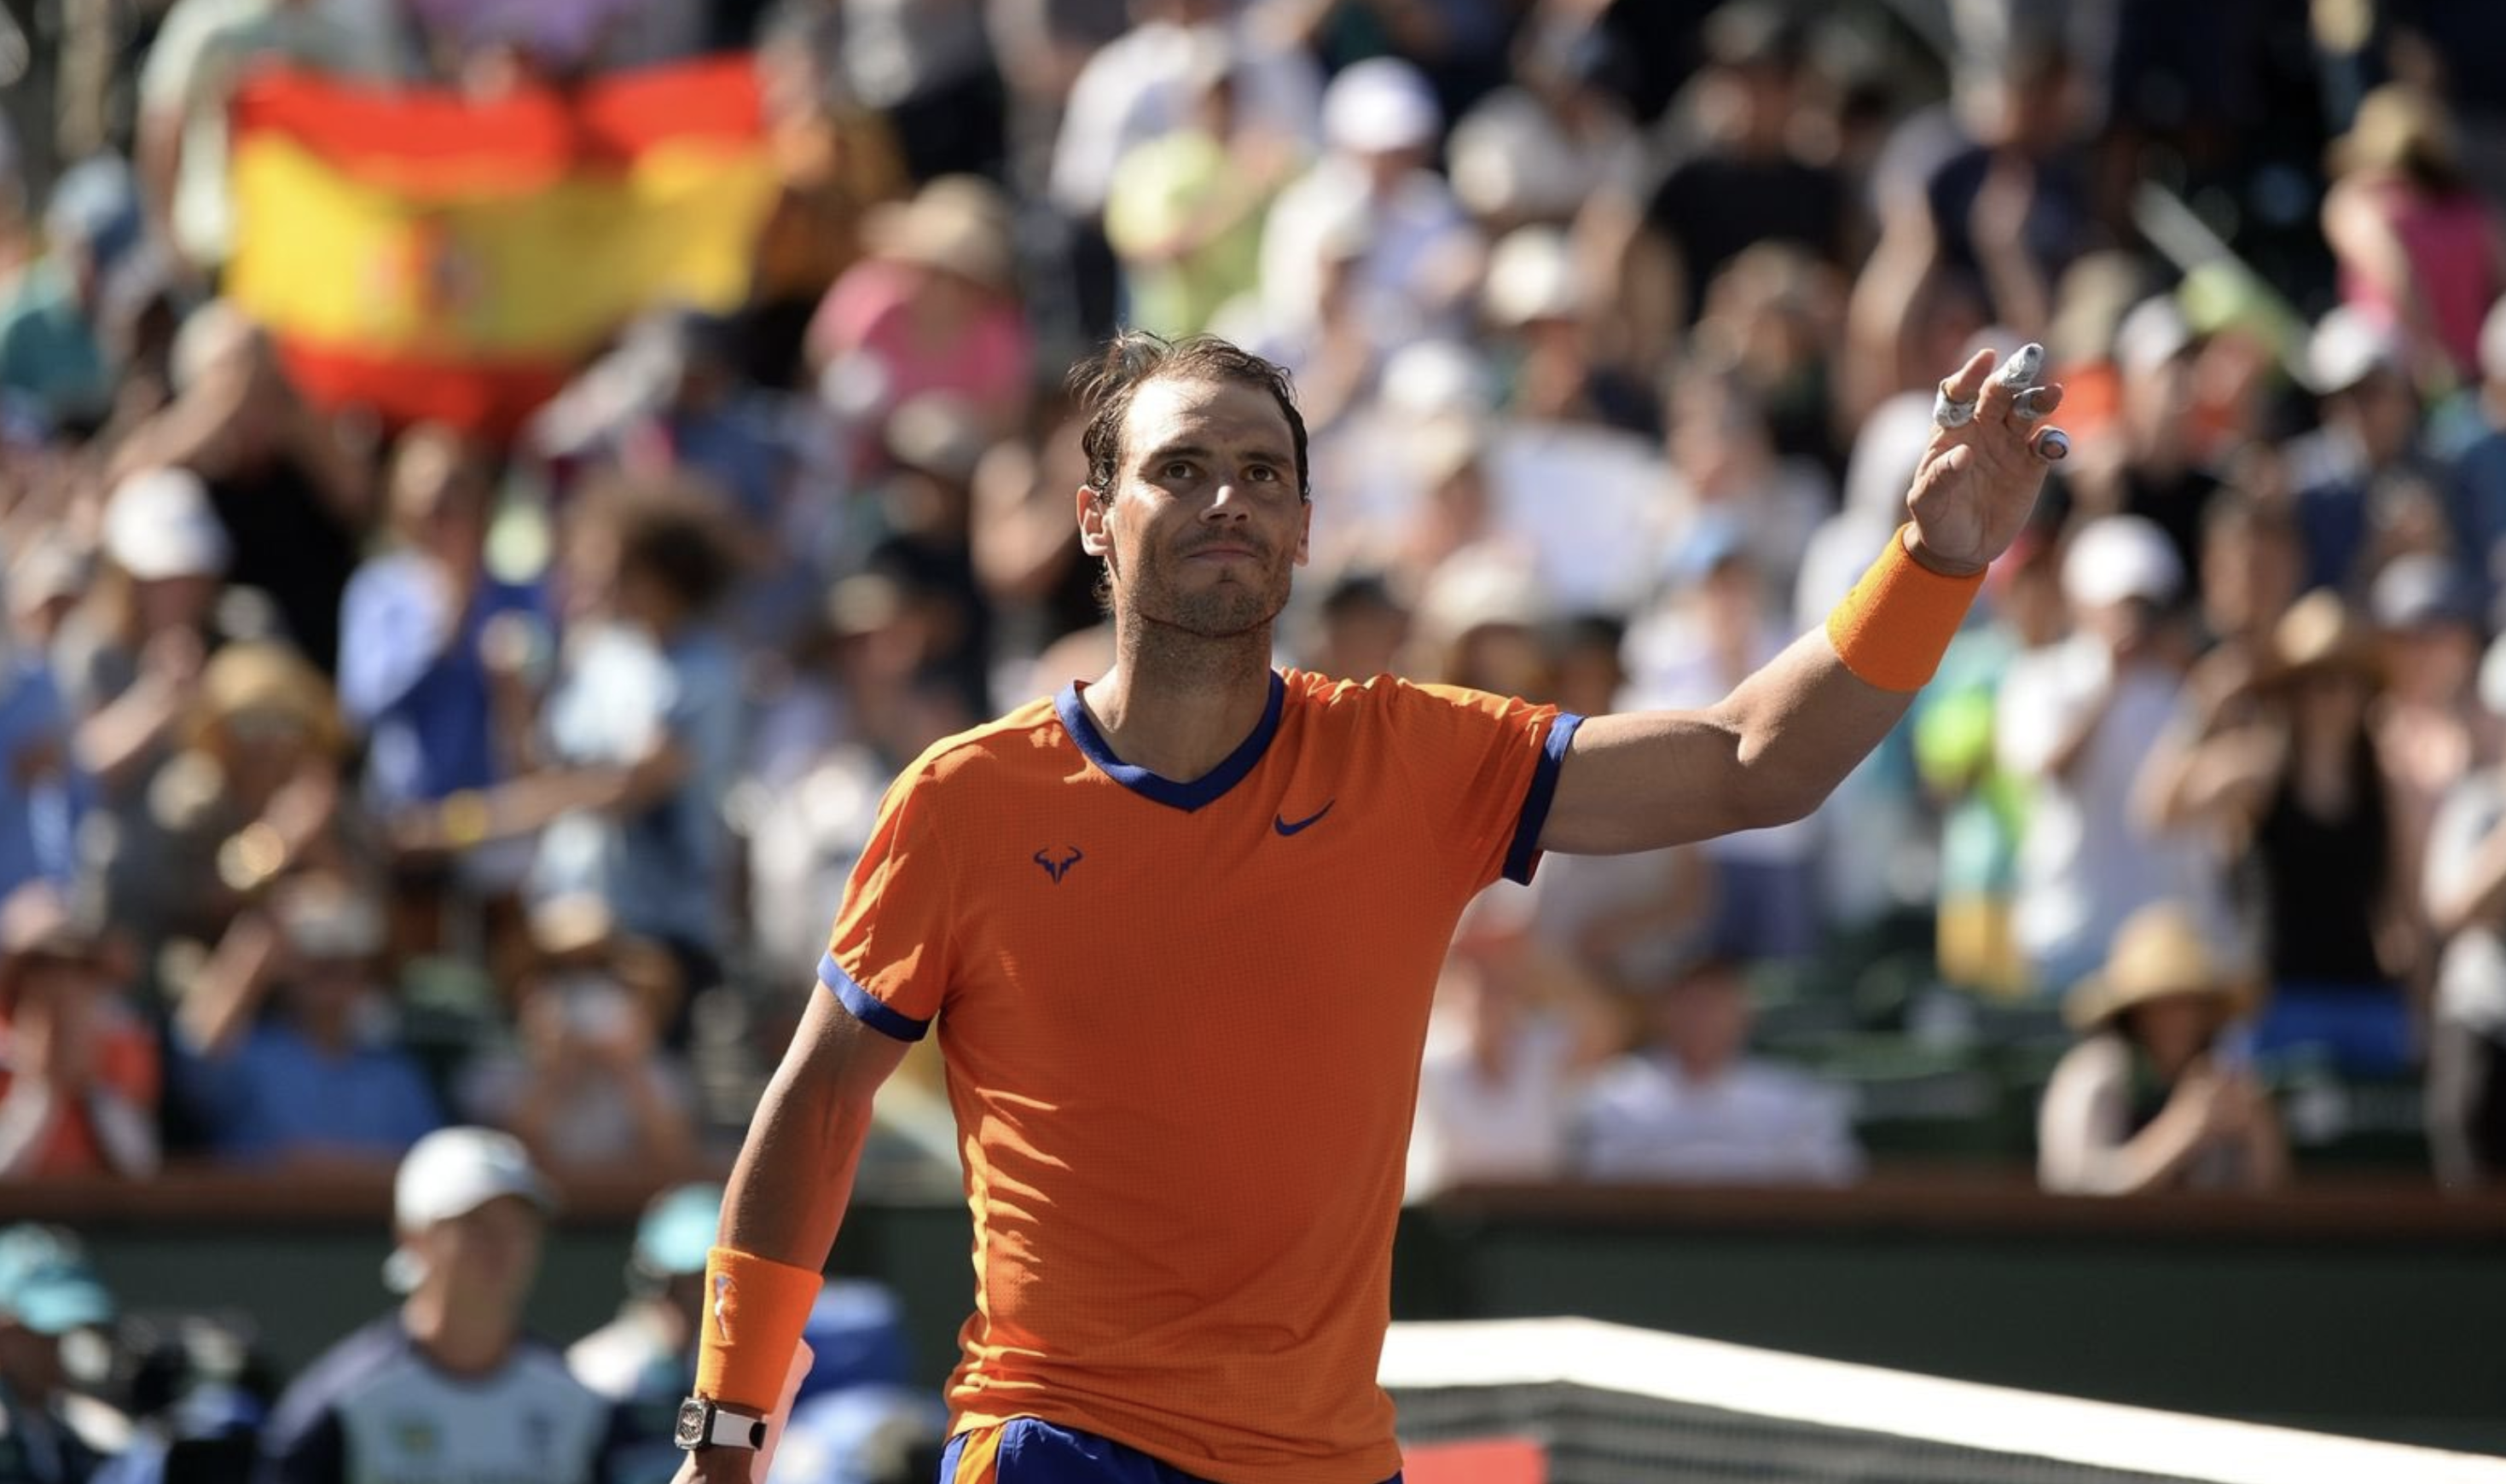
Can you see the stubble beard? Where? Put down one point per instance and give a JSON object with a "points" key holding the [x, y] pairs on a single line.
{"points": [[1158, 615]]}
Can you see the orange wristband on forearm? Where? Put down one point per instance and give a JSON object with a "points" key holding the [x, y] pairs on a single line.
{"points": [[1897, 623], [755, 1309]]}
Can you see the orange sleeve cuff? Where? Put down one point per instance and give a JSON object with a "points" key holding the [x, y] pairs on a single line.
{"points": [[1893, 628], [755, 1310]]}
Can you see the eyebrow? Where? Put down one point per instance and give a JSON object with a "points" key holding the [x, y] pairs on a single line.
{"points": [[1165, 451]]}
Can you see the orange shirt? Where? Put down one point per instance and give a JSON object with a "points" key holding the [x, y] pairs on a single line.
{"points": [[1182, 1025]]}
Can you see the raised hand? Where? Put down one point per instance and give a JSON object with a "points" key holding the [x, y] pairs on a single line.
{"points": [[1978, 479]]}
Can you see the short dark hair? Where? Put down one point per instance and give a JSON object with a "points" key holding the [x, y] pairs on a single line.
{"points": [[669, 530], [1105, 383]]}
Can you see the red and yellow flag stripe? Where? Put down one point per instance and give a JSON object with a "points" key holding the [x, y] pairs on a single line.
{"points": [[432, 256]]}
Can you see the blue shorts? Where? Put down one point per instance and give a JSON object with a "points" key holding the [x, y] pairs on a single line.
{"points": [[1026, 1450]]}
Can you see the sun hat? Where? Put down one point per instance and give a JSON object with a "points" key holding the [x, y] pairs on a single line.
{"points": [[2320, 634], [2159, 953], [957, 225]]}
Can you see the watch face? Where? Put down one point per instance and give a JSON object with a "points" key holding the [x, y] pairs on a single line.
{"points": [[691, 1433]]}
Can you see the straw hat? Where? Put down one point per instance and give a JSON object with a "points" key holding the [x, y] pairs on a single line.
{"points": [[256, 679], [959, 224], [2320, 634], [2159, 953]]}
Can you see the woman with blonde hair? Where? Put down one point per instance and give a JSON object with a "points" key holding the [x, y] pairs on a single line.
{"points": [[2420, 248]]}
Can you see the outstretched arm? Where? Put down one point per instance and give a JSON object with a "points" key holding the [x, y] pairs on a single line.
{"points": [[1773, 748]]}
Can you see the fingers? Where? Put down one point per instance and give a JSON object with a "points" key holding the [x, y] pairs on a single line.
{"points": [[1967, 382], [2017, 374], [2053, 445], [2036, 401]]}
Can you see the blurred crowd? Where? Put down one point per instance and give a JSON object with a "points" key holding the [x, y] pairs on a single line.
{"points": [[365, 779]]}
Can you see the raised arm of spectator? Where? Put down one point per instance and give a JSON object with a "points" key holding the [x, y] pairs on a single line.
{"points": [[1774, 748], [2084, 1144], [2218, 764], [230, 987]]}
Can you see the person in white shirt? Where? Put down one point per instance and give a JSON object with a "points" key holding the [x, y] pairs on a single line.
{"points": [[1691, 1105], [2079, 718]]}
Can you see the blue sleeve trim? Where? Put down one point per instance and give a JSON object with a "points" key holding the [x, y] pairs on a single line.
{"points": [[1523, 857], [868, 1008]]}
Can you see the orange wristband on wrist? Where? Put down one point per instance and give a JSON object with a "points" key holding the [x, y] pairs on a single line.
{"points": [[755, 1309], [1897, 623]]}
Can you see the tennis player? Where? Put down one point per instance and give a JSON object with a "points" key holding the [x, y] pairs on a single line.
{"points": [[1178, 928]]}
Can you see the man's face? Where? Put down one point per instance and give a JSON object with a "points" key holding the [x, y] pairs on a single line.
{"points": [[486, 1256], [1204, 527]]}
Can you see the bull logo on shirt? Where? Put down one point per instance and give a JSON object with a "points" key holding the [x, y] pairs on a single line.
{"points": [[1059, 868]]}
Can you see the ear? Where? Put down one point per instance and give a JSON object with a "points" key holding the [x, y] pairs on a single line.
{"points": [[1095, 513], [1304, 533]]}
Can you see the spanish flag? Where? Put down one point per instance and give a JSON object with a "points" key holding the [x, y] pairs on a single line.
{"points": [[430, 257]]}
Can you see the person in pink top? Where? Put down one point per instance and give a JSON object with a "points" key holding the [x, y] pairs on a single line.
{"points": [[933, 307], [2420, 248]]}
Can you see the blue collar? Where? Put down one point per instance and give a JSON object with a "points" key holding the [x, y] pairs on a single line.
{"points": [[1187, 797]]}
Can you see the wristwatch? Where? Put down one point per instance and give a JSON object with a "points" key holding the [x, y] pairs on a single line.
{"points": [[704, 1423]]}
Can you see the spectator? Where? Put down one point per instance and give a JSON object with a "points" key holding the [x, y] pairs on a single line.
{"points": [[47, 1292], [38, 791], [253, 795], [1421, 258], [79, 1072], [1515, 1033], [1184, 211], [647, 709], [285, 1055], [2284, 767], [447, 1387], [2147, 1100], [934, 308], [2476, 484], [589, 1090], [1535, 302], [2148, 464], [1743, 178], [129, 659], [2364, 485], [2423, 253], [431, 641], [287, 488], [1984, 808], [643, 1362], [2427, 720], [2464, 881], [52, 312], [1137, 87], [2075, 720], [1690, 1105]]}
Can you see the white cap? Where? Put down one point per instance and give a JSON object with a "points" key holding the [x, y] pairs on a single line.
{"points": [[2346, 346], [157, 523], [1379, 105], [454, 1171], [2116, 557], [1531, 276]]}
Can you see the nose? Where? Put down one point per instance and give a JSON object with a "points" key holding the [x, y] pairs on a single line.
{"points": [[1226, 504]]}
